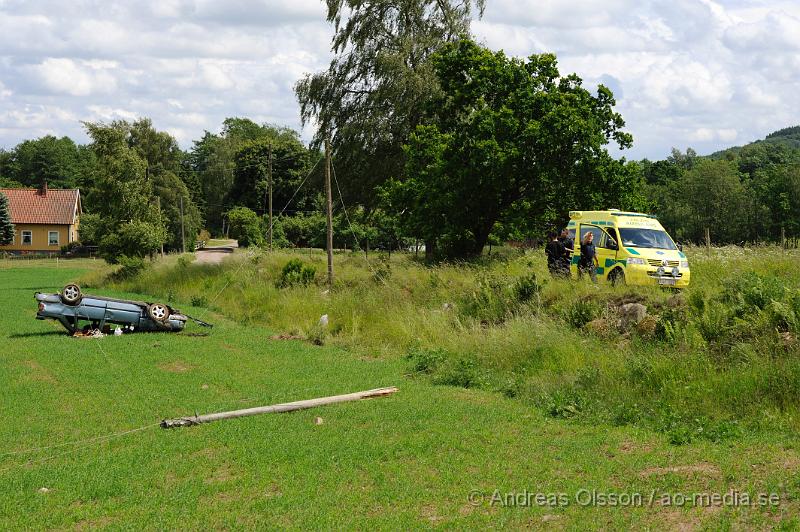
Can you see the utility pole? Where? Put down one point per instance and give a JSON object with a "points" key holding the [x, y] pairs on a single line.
{"points": [[183, 235], [158, 202], [329, 195], [269, 179]]}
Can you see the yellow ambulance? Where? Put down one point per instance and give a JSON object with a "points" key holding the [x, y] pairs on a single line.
{"points": [[632, 248]]}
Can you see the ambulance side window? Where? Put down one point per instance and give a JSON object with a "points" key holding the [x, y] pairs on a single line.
{"points": [[602, 239], [598, 233], [610, 239]]}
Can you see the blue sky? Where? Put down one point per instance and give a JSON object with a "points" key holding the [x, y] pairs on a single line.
{"points": [[700, 73]]}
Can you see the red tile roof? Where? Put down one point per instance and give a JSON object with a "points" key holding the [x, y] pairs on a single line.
{"points": [[28, 206]]}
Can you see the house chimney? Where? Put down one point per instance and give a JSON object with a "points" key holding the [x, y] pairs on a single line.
{"points": [[43, 189]]}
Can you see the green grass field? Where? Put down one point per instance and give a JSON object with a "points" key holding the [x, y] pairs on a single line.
{"points": [[408, 460]]}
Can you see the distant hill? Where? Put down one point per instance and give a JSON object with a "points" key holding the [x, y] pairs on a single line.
{"points": [[788, 137]]}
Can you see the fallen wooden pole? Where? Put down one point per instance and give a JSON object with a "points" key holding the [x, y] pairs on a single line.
{"points": [[274, 409]]}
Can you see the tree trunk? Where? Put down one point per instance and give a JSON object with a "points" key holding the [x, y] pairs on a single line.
{"points": [[430, 250]]}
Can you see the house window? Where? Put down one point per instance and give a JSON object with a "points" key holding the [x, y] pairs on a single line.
{"points": [[27, 238], [52, 238]]}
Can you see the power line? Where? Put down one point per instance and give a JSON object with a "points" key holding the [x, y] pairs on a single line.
{"points": [[242, 263], [352, 230]]}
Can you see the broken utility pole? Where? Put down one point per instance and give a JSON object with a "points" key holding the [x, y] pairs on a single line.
{"points": [[274, 409], [329, 195]]}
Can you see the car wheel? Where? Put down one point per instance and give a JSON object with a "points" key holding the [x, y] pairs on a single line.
{"points": [[71, 294], [617, 277], [158, 312]]}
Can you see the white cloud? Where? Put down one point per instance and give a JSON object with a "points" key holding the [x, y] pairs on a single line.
{"points": [[700, 73], [76, 78]]}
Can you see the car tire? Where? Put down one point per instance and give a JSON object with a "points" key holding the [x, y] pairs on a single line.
{"points": [[617, 277], [71, 294], [158, 312]]}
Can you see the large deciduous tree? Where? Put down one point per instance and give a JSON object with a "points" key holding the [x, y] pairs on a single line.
{"points": [[508, 139], [59, 161], [128, 223], [373, 93], [290, 163], [213, 159]]}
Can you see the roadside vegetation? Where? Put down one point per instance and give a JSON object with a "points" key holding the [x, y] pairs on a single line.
{"points": [[713, 362], [407, 461]]}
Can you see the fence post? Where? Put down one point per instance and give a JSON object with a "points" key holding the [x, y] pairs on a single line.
{"points": [[708, 240]]}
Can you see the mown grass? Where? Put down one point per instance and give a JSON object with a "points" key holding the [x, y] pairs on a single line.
{"points": [[406, 461], [716, 361]]}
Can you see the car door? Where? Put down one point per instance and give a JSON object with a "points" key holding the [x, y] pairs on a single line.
{"points": [[605, 244]]}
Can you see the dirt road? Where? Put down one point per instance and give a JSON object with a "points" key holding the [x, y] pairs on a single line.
{"points": [[215, 254]]}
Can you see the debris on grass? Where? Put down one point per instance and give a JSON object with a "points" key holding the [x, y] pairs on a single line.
{"points": [[90, 333], [286, 336]]}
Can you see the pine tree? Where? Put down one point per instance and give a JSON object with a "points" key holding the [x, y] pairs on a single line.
{"points": [[6, 227]]}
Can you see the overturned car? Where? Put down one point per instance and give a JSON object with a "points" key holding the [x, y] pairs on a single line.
{"points": [[71, 306]]}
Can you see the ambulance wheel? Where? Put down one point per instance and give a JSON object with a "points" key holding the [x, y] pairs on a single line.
{"points": [[616, 277]]}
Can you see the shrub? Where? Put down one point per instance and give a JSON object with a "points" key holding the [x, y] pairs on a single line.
{"points": [[751, 292], [296, 273], [564, 404], [491, 301], [713, 322], [245, 226], [130, 266], [582, 311], [464, 373], [526, 288], [425, 360]]}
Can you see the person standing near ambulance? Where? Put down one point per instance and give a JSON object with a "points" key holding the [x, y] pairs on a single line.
{"points": [[589, 262]]}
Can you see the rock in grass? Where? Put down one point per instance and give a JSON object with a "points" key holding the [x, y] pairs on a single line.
{"points": [[631, 314], [44, 490], [323, 320], [318, 421]]}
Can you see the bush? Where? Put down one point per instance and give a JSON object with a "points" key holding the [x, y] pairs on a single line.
{"points": [[526, 288], [464, 373], [490, 301], [245, 226], [67, 248], [425, 360], [751, 292], [130, 266], [582, 311], [132, 239], [295, 273]]}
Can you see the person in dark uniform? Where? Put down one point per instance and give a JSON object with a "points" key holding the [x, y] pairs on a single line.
{"points": [[569, 247], [588, 263], [555, 254]]}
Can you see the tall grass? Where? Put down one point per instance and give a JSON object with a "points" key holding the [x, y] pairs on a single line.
{"points": [[715, 361]]}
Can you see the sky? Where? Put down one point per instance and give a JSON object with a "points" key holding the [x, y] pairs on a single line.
{"points": [[686, 73]]}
